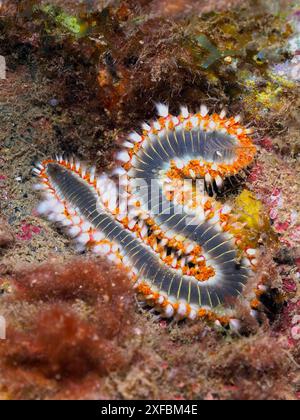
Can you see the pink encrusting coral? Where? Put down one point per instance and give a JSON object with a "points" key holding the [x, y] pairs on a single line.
{"points": [[27, 231]]}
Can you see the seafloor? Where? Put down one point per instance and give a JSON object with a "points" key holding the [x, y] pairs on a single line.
{"points": [[79, 76]]}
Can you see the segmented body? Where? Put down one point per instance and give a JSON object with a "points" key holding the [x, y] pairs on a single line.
{"points": [[180, 246]]}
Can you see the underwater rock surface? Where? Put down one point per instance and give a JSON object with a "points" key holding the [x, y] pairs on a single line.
{"points": [[78, 80]]}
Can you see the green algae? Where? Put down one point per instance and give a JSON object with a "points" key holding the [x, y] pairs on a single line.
{"points": [[227, 56], [236, 50], [238, 35], [264, 94], [214, 53], [62, 21]]}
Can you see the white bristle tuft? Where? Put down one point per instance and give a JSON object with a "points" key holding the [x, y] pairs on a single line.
{"points": [[86, 226], [175, 121], [97, 249], [179, 163], [208, 178], [185, 112], [105, 249], [254, 313], [194, 121], [71, 211], [223, 114], [98, 236], [215, 219], [182, 309], [192, 174], [115, 247], [83, 239], [169, 311], [66, 222], [40, 187], [146, 127], [226, 209], [162, 110], [105, 196], [156, 125], [76, 220], [190, 248], [235, 325], [114, 259], [135, 137], [254, 262], [119, 171], [218, 324], [164, 242], [251, 251], [92, 174], [123, 157], [203, 111], [131, 224], [160, 300], [45, 206], [170, 234], [246, 262], [219, 181], [192, 315], [74, 231], [112, 204], [52, 217], [102, 182], [144, 232], [128, 145], [58, 208]]}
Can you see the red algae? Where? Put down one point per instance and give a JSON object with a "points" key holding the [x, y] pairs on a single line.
{"points": [[61, 345], [79, 278], [77, 324]]}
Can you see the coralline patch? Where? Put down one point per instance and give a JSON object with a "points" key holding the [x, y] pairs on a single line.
{"points": [[186, 253]]}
